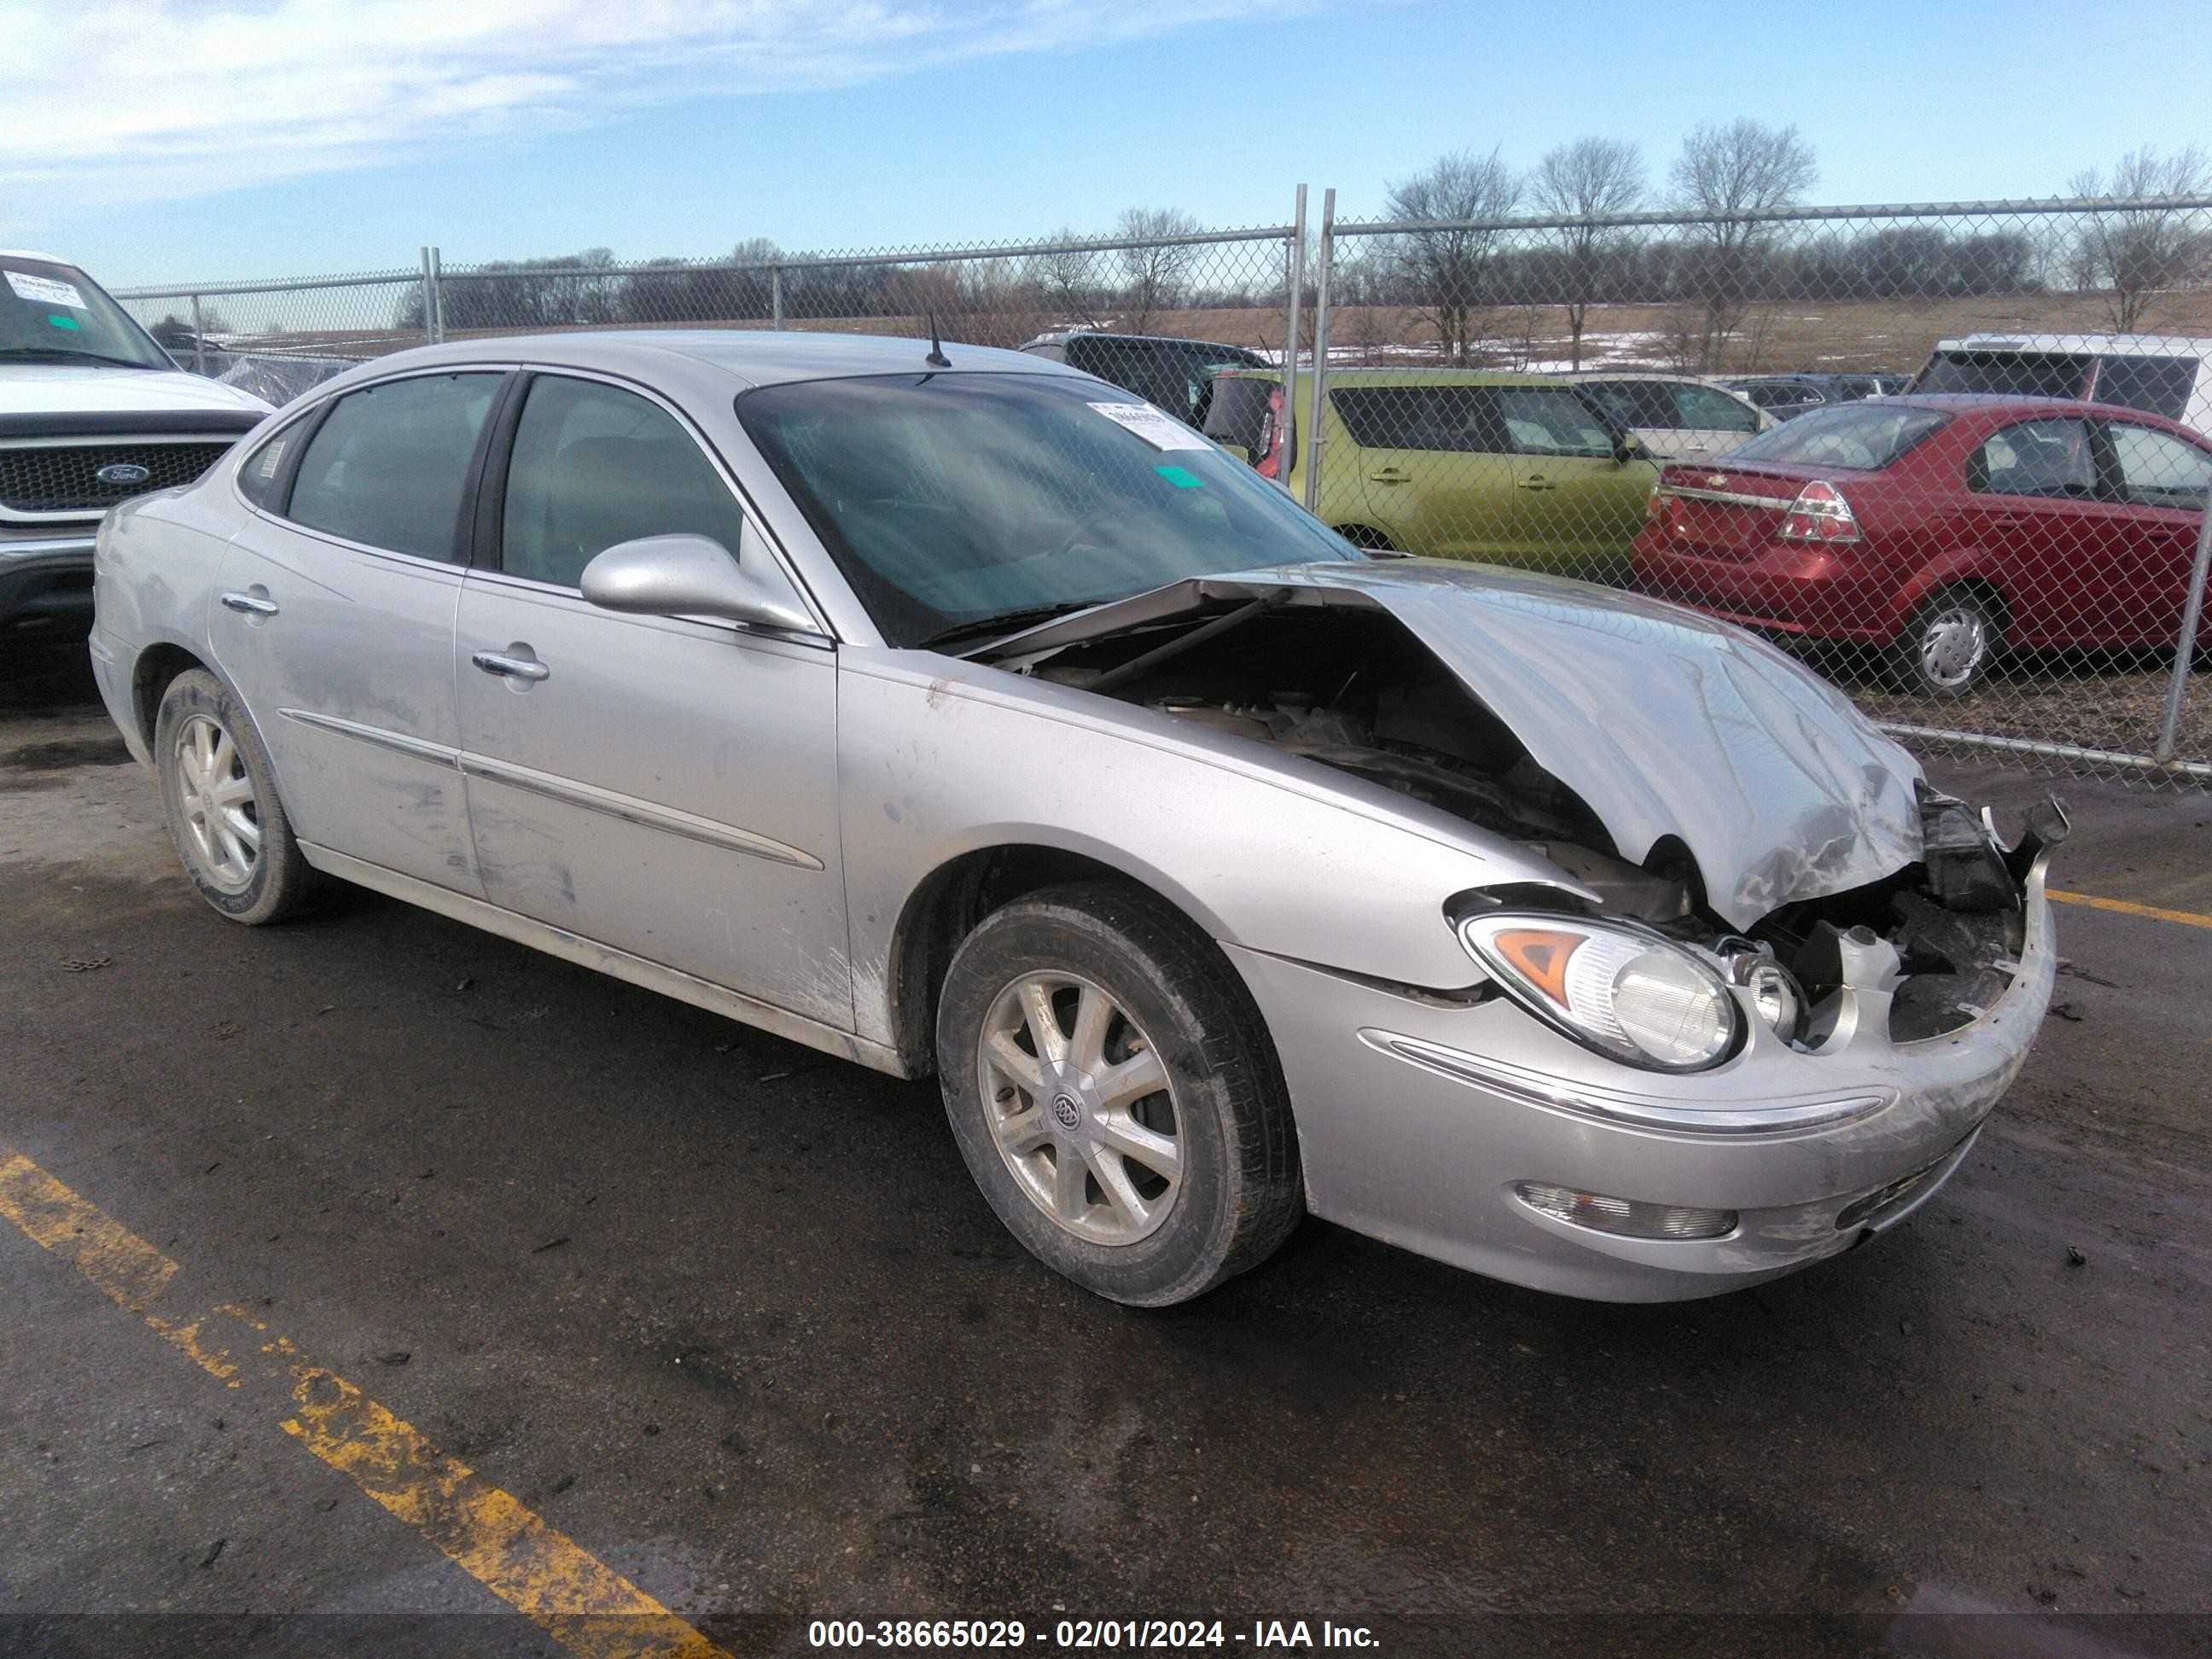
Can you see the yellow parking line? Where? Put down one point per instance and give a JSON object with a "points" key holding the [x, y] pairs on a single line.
{"points": [[2128, 908], [576, 1599]]}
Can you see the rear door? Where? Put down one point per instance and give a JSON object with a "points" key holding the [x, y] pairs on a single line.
{"points": [[2033, 507], [664, 785], [335, 620], [2160, 481], [1432, 471], [1709, 424]]}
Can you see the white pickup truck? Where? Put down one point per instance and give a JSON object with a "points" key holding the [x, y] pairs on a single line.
{"points": [[92, 412]]}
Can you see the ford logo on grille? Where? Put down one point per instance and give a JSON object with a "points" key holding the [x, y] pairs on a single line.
{"points": [[120, 474]]}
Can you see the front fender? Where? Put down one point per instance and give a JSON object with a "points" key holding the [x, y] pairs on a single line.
{"points": [[936, 759]]}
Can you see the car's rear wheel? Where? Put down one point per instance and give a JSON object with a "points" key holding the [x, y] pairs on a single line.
{"points": [[220, 797], [1115, 1095], [1948, 647]]}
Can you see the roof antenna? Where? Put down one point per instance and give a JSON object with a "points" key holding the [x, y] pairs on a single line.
{"points": [[937, 359]]}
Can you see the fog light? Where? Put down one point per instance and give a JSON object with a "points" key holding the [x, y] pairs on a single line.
{"points": [[1626, 1218]]}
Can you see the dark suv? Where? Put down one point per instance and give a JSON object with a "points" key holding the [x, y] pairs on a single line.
{"points": [[1176, 375]]}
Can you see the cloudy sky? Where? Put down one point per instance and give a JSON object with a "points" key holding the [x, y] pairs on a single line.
{"points": [[159, 139]]}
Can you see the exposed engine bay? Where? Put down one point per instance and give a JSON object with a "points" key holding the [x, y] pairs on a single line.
{"points": [[1356, 690]]}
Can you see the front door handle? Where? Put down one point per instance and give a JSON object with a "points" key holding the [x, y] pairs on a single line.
{"points": [[511, 668], [1390, 475], [249, 604], [1537, 481]]}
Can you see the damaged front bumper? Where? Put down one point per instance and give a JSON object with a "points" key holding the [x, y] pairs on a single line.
{"points": [[1422, 1119]]}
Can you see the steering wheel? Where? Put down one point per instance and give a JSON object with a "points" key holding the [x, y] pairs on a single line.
{"points": [[1095, 517]]}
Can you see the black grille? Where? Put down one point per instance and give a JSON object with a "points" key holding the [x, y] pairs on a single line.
{"points": [[64, 478]]}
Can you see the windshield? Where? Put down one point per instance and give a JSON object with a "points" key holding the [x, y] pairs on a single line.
{"points": [[2006, 374], [55, 313], [951, 500], [1864, 436]]}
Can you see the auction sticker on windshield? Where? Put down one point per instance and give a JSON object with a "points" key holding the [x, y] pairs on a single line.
{"points": [[1160, 431], [44, 290]]}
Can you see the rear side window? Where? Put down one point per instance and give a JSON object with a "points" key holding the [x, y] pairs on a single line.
{"points": [[594, 466], [1865, 437], [390, 463], [2159, 470], [1701, 408], [2008, 373], [258, 475], [1385, 417], [2156, 386], [2036, 458], [1637, 403]]}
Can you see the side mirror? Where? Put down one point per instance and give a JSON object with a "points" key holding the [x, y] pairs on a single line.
{"points": [[688, 576], [1628, 446]]}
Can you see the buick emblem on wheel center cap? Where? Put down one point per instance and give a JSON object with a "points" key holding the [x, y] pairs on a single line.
{"points": [[1065, 1112]]}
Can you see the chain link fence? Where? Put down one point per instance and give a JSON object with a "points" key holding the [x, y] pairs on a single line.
{"points": [[1673, 402]]}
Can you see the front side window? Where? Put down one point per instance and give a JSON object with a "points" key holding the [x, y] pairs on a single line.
{"points": [[949, 501], [594, 466], [1636, 402], [2156, 386], [2159, 470], [2035, 457], [390, 463], [1551, 421], [1701, 408]]}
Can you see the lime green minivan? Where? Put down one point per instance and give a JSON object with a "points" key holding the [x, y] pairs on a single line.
{"points": [[1462, 464]]}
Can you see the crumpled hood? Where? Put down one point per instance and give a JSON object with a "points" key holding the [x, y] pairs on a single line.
{"points": [[1665, 722]]}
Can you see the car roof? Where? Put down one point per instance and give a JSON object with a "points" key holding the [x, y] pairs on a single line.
{"points": [[1999, 403], [1068, 336], [2124, 345], [751, 356], [1357, 377], [33, 253], [1588, 376]]}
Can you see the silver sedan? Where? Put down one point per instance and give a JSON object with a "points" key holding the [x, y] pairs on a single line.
{"points": [[954, 712]]}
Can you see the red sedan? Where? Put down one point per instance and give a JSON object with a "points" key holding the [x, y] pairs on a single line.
{"points": [[1944, 529]]}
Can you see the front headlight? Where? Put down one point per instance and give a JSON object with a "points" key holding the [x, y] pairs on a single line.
{"points": [[1634, 996]]}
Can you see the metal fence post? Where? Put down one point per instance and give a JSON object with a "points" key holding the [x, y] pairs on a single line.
{"points": [[438, 292], [2184, 651], [429, 300], [1295, 264], [1321, 349], [199, 338], [776, 295]]}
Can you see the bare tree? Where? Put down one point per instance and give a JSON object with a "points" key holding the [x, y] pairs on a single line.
{"points": [[1449, 271], [1586, 180], [1155, 271], [1728, 176], [1066, 279], [2134, 254]]}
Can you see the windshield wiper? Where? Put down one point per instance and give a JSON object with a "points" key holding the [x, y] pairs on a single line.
{"points": [[74, 353], [1004, 622]]}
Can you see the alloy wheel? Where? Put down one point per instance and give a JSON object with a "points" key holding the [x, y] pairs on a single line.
{"points": [[214, 795], [1081, 1107]]}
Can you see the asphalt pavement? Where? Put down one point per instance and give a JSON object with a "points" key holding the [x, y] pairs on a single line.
{"points": [[349, 1252]]}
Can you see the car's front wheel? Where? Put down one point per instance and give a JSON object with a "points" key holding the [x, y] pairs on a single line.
{"points": [[219, 794], [1948, 647], [1115, 1095]]}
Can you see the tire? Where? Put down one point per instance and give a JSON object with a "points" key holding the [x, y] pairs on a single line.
{"points": [[1050, 1146], [225, 820], [1946, 650]]}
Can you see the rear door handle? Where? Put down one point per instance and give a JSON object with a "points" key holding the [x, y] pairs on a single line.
{"points": [[1537, 481], [511, 668], [1390, 475], [249, 604]]}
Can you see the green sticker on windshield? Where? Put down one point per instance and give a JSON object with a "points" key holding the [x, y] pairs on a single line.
{"points": [[63, 322], [1181, 479]]}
